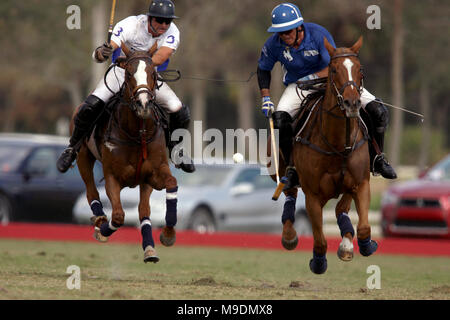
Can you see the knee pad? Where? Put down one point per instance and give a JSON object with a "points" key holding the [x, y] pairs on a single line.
{"points": [[89, 111], [379, 114], [181, 118], [283, 122]]}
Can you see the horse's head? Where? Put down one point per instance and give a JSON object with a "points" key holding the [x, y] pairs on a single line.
{"points": [[140, 80], [345, 77]]}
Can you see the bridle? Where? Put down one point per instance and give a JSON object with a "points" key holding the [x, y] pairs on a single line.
{"points": [[133, 94], [340, 92]]}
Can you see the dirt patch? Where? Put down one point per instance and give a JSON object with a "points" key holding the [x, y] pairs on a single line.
{"points": [[208, 281], [441, 289], [118, 294], [302, 285]]}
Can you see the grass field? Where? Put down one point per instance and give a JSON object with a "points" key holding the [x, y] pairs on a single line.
{"points": [[37, 270]]}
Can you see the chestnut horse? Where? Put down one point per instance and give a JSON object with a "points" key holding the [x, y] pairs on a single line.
{"points": [[330, 154], [130, 144]]}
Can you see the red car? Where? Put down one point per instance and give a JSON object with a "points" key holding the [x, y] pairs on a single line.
{"points": [[419, 207]]}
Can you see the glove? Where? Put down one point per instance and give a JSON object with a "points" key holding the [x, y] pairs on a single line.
{"points": [[267, 106], [104, 52]]}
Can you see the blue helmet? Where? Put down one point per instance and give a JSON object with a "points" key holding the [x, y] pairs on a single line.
{"points": [[285, 16]]}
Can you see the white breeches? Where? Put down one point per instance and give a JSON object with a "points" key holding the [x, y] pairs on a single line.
{"points": [[290, 101], [165, 97]]}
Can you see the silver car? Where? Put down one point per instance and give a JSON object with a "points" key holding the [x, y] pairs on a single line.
{"points": [[235, 197]]}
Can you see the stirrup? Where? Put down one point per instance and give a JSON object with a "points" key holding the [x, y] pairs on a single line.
{"points": [[182, 162], [66, 159], [384, 163], [292, 178]]}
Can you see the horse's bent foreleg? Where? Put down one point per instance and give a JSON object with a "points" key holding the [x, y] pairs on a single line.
{"points": [[113, 188], [148, 245], [345, 251], [168, 234], [318, 264], [362, 203], [289, 238], [85, 162]]}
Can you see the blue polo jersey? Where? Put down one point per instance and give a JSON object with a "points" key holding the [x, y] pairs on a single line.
{"points": [[310, 57]]}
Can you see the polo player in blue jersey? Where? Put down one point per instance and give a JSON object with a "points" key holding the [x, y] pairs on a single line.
{"points": [[299, 47]]}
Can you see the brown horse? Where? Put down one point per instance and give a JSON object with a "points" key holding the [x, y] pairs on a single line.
{"points": [[130, 144], [330, 154]]}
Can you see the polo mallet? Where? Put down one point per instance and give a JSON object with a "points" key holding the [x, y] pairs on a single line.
{"points": [[280, 183], [111, 21], [110, 31]]}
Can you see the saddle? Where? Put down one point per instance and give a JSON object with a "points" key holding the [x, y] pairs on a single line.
{"points": [[317, 89], [107, 117]]}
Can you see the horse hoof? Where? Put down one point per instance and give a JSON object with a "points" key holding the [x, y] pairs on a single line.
{"points": [[367, 247], [98, 235], [345, 250], [168, 236], [150, 255], [289, 244], [345, 255], [97, 221], [318, 264], [167, 241]]}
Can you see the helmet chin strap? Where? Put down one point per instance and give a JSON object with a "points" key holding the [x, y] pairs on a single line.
{"points": [[151, 27]]}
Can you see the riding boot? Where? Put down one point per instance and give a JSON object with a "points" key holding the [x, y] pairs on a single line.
{"points": [[379, 117], [283, 122], [378, 162], [84, 120], [180, 120]]}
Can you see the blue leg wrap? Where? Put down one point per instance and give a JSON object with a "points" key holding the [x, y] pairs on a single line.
{"points": [[318, 264], [97, 208], [289, 210], [171, 207], [107, 229], [146, 232], [367, 246], [345, 225]]}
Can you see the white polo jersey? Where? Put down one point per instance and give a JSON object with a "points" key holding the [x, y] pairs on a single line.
{"points": [[133, 31]]}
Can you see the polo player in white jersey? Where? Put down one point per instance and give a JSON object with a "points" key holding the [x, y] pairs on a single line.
{"points": [[138, 33]]}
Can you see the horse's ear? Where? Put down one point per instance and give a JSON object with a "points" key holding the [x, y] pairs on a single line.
{"points": [[355, 48], [329, 47], [153, 49], [120, 61]]}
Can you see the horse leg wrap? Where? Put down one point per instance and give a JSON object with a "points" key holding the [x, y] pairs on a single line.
{"points": [[289, 210], [97, 208], [171, 207], [107, 229], [146, 232], [318, 264], [367, 246], [345, 225]]}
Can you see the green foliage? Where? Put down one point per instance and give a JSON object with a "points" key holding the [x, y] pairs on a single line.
{"points": [[412, 139]]}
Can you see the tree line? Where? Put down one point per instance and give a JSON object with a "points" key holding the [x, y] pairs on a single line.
{"points": [[47, 68]]}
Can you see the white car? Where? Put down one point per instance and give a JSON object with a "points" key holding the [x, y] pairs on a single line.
{"points": [[234, 197]]}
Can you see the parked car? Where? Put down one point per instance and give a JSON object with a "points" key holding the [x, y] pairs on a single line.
{"points": [[215, 197], [31, 188], [420, 207]]}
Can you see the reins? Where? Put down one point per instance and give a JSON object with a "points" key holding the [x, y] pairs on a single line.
{"points": [[349, 146]]}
